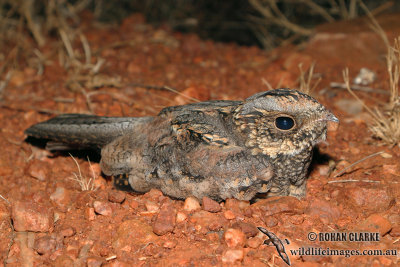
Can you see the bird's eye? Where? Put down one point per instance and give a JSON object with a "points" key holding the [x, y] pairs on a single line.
{"points": [[284, 123]]}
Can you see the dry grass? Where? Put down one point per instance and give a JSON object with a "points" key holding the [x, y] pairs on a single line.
{"points": [[305, 79], [86, 184], [385, 123]]}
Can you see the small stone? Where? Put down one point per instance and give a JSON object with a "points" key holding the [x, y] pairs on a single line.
{"points": [[90, 214], [232, 255], [210, 205], [169, 244], [93, 261], [61, 198], [133, 204], [229, 215], [34, 217], [191, 204], [67, 232], [270, 221], [63, 260], [324, 209], [165, 220], [254, 242], [234, 238], [208, 220], [296, 219], [371, 198], [277, 205], [153, 194], [116, 196], [102, 208], [375, 223], [152, 206], [248, 229], [125, 238], [116, 263], [181, 217], [39, 169], [45, 245]]}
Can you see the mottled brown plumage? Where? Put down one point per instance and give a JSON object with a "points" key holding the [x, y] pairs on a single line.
{"points": [[219, 149]]}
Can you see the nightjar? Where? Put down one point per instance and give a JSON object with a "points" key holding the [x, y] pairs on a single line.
{"points": [[220, 149]]}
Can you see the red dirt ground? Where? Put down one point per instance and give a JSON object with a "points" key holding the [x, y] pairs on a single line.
{"points": [[58, 224]]}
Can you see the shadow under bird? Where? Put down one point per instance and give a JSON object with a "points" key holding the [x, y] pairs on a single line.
{"points": [[220, 149]]}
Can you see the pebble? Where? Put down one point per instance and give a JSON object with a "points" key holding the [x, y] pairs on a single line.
{"points": [[125, 238], [181, 217], [165, 220], [229, 215], [67, 232], [191, 204], [61, 197], [34, 217], [370, 198], [248, 229], [395, 232], [275, 205], [210, 205], [326, 210], [102, 208], [152, 206], [94, 261], [232, 256], [170, 244], [116, 263], [45, 245], [375, 223], [39, 169], [234, 238], [90, 214], [208, 220], [254, 242], [116, 196]]}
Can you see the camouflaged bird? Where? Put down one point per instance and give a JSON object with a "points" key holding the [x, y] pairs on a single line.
{"points": [[220, 149]]}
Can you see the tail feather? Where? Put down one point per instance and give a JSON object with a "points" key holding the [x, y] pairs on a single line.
{"points": [[84, 130]]}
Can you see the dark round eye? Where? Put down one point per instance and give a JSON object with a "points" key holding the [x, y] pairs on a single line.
{"points": [[284, 123]]}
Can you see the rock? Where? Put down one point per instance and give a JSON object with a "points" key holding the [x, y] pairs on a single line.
{"points": [[232, 255], [116, 196], [102, 208], [90, 214], [191, 204], [181, 217], [63, 260], [165, 220], [395, 232], [211, 221], [248, 229], [117, 263], [371, 198], [152, 206], [169, 244], [67, 232], [34, 217], [153, 194], [327, 211], [276, 205], [45, 245], [39, 169], [61, 197], [234, 238], [229, 215], [375, 223], [270, 221], [254, 242], [126, 238], [94, 261], [210, 205], [236, 205]]}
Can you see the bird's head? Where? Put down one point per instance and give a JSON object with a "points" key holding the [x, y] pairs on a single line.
{"points": [[282, 121]]}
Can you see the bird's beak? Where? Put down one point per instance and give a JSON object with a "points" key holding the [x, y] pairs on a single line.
{"points": [[330, 117]]}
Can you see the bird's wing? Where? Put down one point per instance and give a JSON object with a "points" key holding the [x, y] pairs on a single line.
{"points": [[205, 121]]}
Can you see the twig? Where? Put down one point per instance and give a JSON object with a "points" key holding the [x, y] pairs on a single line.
{"points": [[352, 180], [358, 88], [358, 161], [164, 87]]}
